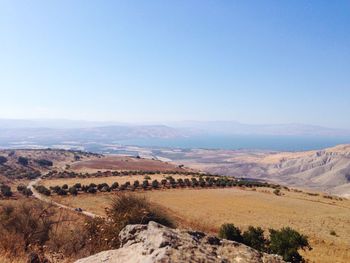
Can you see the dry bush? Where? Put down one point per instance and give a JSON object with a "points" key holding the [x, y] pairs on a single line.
{"points": [[128, 209], [125, 209], [28, 223], [31, 226], [69, 237]]}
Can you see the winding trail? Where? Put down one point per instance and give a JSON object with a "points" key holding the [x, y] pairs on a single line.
{"points": [[40, 197]]}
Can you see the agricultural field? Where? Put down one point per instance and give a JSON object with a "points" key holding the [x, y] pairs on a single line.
{"points": [[116, 162], [108, 180], [326, 221]]}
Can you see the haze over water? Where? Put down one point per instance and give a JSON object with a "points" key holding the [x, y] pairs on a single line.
{"points": [[233, 142]]}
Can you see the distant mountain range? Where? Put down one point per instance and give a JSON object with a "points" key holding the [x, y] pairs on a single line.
{"points": [[183, 127], [237, 128], [52, 132]]}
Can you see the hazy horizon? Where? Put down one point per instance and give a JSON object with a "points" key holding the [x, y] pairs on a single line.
{"points": [[62, 121]]}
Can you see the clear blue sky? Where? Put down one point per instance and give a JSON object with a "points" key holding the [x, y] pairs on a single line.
{"points": [[250, 61]]}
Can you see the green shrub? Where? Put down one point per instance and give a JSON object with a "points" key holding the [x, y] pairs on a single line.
{"points": [[91, 190], [23, 161], [155, 184], [5, 190], [73, 190], [3, 160], [43, 162], [43, 190], [145, 184], [254, 237], [27, 192], [77, 185], [21, 187], [286, 242], [24, 190], [115, 185], [136, 183], [230, 232]]}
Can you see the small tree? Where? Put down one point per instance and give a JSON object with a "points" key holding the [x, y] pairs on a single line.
{"points": [[254, 237], [91, 190], [155, 184], [6, 190], [77, 186], [73, 191], [92, 185], [23, 161], [27, 192], [286, 242], [163, 182], [21, 187], [136, 183], [230, 232], [3, 160], [43, 162], [277, 192], [62, 192], [115, 185], [145, 184]]}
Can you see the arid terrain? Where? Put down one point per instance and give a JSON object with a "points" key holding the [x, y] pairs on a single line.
{"points": [[325, 170], [207, 209], [324, 218]]}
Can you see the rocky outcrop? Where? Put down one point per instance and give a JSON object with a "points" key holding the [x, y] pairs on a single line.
{"points": [[156, 243]]}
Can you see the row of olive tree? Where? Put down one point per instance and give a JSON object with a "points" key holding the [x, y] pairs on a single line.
{"points": [[166, 183], [72, 174]]}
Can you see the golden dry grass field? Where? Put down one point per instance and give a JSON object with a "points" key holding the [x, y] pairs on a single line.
{"points": [[207, 209]]}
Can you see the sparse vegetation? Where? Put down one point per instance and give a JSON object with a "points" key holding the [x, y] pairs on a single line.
{"points": [[5, 190], [230, 232], [44, 162], [24, 190], [43, 190], [277, 192], [23, 160], [32, 229], [3, 160], [254, 237], [124, 209], [286, 242]]}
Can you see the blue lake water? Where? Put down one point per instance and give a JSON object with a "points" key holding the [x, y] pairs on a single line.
{"points": [[278, 143]]}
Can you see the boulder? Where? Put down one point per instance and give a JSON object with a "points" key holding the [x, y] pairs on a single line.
{"points": [[156, 243]]}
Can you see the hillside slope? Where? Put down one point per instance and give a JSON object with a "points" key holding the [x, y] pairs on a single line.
{"points": [[325, 170]]}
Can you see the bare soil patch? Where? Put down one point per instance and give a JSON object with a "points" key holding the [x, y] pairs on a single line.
{"points": [[122, 163]]}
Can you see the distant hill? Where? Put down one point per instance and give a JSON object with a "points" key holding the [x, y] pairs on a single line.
{"points": [[94, 136], [48, 136], [237, 128], [325, 170]]}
